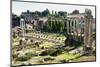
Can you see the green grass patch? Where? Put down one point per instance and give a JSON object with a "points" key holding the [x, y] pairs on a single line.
{"points": [[66, 56]]}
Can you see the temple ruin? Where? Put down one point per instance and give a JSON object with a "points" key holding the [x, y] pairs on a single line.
{"points": [[76, 25]]}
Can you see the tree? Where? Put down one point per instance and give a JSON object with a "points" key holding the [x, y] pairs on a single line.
{"points": [[15, 20], [52, 12], [61, 26], [45, 12], [75, 12], [54, 25], [62, 13], [37, 13], [28, 11]]}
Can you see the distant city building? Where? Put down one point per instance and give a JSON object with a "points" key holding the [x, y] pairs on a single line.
{"points": [[33, 21], [28, 17]]}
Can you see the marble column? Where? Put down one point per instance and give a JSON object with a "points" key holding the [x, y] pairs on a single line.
{"points": [[80, 27], [90, 31], [71, 26], [22, 25], [68, 26], [74, 31], [77, 28]]}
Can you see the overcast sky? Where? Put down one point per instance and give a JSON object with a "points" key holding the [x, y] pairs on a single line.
{"points": [[18, 7]]}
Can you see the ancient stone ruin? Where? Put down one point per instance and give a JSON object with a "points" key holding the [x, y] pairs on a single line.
{"points": [[80, 25]]}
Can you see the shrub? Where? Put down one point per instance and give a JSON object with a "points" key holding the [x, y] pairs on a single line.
{"points": [[47, 52], [44, 53], [51, 52], [29, 54], [15, 55], [48, 58], [56, 52], [26, 57], [63, 61], [22, 58], [73, 42]]}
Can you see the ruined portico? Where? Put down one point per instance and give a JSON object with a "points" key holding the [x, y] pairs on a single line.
{"points": [[81, 25]]}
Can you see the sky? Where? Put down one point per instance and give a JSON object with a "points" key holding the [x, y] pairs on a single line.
{"points": [[19, 7]]}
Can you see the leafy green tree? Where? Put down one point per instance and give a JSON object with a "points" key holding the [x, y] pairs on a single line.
{"points": [[54, 25], [61, 26], [37, 13], [75, 12], [15, 20], [45, 12], [62, 13], [52, 12]]}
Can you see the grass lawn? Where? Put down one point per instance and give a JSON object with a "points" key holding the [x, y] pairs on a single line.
{"points": [[47, 44], [85, 58], [66, 56]]}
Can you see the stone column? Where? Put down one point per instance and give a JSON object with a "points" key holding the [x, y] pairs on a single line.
{"points": [[67, 26], [80, 27], [87, 49], [77, 28], [70, 26], [74, 31], [22, 25], [85, 31], [73, 26], [90, 33]]}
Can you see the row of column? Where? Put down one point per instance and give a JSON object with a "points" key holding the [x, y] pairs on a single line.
{"points": [[79, 27], [74, 26]]}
